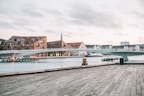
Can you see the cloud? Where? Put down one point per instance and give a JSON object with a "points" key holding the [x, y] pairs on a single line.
{"points": [[6, 25], [53, 12], [84, 14], [141, 39], [21, 22], [141, 3], [119, 34], [32, 12], [50, 31], [30, 29], [140, 12]]}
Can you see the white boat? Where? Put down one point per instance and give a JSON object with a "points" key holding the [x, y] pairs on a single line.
{"points": [[94, 54]]}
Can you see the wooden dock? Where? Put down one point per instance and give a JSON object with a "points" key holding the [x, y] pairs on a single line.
{"points": [[113, 80]]}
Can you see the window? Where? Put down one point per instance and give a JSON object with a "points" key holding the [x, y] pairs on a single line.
{"points": [[19, 42], [33, 39], [15, 40]]}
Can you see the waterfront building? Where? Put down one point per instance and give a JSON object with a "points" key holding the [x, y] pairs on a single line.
{"points": [[106, 47], [127, 47], [22, 43], [93, 46], [141, 47], [78, 45], [90, 46], [118, 47], [58, 44], [2, 41]]}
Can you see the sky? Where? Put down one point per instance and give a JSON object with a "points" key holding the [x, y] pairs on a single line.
{"points": [[88, 21]]}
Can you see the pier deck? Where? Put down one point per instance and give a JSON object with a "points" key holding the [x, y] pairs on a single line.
{"points": [[114, 80]]}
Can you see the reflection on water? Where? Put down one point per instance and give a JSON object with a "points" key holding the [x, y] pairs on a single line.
{"points": [[6, 67]]}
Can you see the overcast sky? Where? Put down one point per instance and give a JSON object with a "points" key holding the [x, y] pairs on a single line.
{"points": [[90, 21]]}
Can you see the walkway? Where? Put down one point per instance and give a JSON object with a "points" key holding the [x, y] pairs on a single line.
{"points": [[114, 80]]}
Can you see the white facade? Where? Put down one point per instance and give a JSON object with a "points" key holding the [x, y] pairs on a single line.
{"points": [[82, 53]]}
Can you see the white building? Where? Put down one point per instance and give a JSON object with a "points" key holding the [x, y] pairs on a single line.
{"points": [[78, 45]]}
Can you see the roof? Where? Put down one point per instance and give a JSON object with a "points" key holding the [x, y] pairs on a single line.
{"points": [[74, 44], [25, 39], [90, 46], [56, 44]]}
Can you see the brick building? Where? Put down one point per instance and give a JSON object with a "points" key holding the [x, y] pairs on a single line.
{"points": [[22, 43], [58, 44]]}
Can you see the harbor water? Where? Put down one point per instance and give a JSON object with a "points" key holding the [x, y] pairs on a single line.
{"points": [[52, 63]]}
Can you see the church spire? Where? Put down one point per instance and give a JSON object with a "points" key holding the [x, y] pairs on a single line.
{"points": [[61, 37], [61, 41]]}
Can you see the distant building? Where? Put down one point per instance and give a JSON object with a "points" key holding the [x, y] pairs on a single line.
{"points": [[118, 47], [106, 46], [58, 44], [93, 46], [141, 47], [78, 45], [125, 43], [90, 46], [127, 47], [2, 42], [22, 43]]}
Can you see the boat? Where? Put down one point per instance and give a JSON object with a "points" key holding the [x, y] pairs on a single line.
{"points": [[94, 54]]}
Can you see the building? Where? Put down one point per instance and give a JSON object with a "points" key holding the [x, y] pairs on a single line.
{"points": [[58, 44], [93, 46], [77, 45], [2, 42], [106, 47], [90, 46], [22, 43], [127, 47]]}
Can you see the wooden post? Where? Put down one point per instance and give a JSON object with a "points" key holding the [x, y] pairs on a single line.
{"points": [[84, 61]]}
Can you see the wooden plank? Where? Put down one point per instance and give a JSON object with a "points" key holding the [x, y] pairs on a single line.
{"points": [[114, 80]]}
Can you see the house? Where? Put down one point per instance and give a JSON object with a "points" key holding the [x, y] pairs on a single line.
{"points": [[77, 45]]}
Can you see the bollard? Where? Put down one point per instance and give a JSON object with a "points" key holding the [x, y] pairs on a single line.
{"points": [[121, 61], [84, 61]]}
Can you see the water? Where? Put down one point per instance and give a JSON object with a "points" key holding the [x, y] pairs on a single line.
{"points": [[7, 67]]}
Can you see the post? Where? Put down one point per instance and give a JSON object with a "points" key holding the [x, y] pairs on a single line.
{"points": [[84, 61], [121, 61]]}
